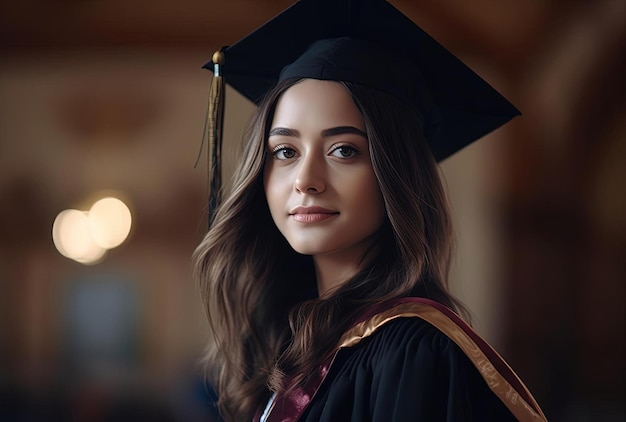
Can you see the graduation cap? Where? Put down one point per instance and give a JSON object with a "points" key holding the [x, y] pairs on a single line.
{"points": [[368, 42]]}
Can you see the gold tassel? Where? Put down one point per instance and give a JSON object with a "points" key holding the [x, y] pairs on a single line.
{"points": [[215, 130]]}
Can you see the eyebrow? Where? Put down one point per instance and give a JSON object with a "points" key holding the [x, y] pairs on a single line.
{"points": [[283, 131], [343, 129], [339, 130]]}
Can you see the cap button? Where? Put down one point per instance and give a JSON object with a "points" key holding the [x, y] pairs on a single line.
{"points": [[218, 57]]}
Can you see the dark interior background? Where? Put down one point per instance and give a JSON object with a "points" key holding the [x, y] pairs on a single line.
{"points": [[110, 95]]}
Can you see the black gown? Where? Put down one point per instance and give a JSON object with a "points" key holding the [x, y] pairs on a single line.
{"points": [[407, 371], [409, 359]]}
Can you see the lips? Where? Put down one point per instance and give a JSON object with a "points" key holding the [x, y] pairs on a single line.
{"points": [[312, 214]]}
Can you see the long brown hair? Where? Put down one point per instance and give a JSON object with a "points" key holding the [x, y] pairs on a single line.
{"points": [[268, 327]]}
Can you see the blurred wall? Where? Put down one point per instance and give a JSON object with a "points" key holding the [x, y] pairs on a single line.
{"points": [[109, 95]]}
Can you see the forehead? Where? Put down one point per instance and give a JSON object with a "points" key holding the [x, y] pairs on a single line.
{"points": [[313, 102]]}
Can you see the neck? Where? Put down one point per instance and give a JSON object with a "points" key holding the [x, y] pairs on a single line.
{"points": [[335, 269]]}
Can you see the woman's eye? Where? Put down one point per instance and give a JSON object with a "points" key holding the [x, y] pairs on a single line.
{"points": [[284, 153], [344, 151]]}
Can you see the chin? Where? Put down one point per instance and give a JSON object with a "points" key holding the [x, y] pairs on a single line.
{"points": [[307, 248]]}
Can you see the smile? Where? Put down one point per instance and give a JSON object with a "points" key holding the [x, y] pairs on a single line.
{"points": [[312, 214]]}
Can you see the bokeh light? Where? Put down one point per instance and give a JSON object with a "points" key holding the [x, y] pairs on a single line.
{"points": [[85, 236], [70, 233], [109, 222]]}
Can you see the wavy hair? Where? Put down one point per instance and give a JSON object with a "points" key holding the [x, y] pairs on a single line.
{"points": [[268, 327]]}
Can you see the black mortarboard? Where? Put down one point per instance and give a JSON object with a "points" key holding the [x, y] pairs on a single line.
{"points": [[401, 59], [362, 41]]}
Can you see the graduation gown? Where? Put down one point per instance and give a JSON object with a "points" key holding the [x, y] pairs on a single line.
{"points": [[410, 359]]}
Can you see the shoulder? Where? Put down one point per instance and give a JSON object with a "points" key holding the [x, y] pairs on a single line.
{"points": [[412, 359], [408, 324], [414, 332], [409, 332], [407, 370], [408, 342]]}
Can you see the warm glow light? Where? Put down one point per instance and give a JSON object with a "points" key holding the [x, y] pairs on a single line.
{"points": [[70, 233], [109, 222], [85, 236]]}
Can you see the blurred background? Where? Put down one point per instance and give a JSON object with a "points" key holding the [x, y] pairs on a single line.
{"points": [[107, 98]]}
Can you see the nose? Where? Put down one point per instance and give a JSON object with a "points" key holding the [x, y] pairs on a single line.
{"points": [[311, 176]]}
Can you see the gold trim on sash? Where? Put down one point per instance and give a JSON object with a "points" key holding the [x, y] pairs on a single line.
{"points": [[521, 409]]}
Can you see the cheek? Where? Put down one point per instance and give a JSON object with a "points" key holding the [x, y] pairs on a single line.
{"points": [[369, 199]]}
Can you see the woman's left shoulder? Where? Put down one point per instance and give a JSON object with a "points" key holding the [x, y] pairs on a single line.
{"points": [[420, 370], [411, 342]]}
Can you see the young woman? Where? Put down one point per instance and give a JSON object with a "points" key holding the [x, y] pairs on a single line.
{"points": [[324, 273]]}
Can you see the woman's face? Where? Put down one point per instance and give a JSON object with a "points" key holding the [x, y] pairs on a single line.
{"points": [[319, 181]]}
